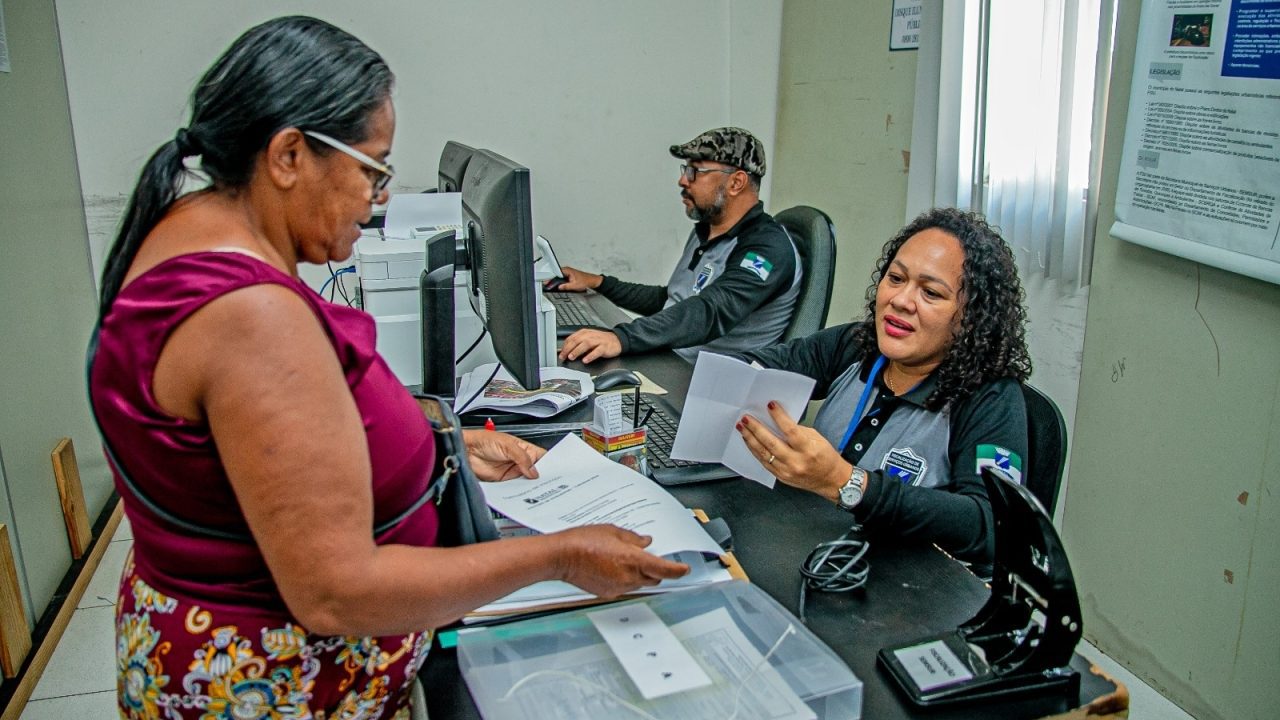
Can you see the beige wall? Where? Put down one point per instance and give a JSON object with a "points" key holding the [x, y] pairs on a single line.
{"points": [[844, 123], [1171, 521], [46, 301], [589, 95]]}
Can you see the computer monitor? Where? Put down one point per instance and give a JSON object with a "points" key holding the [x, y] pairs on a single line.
{"points": [[498, 250], [453, 166]]}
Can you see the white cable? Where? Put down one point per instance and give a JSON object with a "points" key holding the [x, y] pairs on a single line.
{"points": [[737, 695]]}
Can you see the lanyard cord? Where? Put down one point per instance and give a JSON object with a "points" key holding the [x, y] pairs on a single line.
{"points": [[862, 403]]}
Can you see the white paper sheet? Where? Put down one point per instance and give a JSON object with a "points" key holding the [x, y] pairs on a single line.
{"points": [[721, 392], [933, 665], [579, 486], [414, 215], [648, 651]]}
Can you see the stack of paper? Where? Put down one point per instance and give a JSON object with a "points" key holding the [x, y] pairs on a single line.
{"points": [[554, 594], [578, 486], [561, 388]]}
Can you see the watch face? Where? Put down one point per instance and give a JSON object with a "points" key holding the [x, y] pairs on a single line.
{"points": [[851, 493]]}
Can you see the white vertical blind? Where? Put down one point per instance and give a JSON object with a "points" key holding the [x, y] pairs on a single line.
{"points": [[1037, 110]]}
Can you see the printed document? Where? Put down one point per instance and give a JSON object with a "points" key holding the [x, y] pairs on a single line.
{"points": [[724, 389], [579, 486]]}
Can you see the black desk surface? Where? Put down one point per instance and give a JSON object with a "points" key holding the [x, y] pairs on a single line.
{"points": [[912, 592]]}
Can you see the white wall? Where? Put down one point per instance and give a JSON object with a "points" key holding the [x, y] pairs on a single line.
{"points": [[589, 94]]}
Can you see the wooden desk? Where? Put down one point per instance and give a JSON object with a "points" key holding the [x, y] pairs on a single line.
{"points": [[913, 590]]}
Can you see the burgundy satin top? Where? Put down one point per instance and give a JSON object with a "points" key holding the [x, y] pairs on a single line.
{"points": [[176, 463]]}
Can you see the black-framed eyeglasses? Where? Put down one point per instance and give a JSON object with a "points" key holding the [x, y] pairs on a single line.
{"points": [[690, 173], [385, 171]]}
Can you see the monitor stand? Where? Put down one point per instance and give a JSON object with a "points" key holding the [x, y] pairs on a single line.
{"points": [[445, 252]]}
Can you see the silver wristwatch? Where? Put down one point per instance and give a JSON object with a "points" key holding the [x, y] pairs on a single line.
{"points": [[851, 493]]}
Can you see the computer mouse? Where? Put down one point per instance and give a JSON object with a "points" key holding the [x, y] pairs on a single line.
{"points": [[615, 378], [554, 284]]}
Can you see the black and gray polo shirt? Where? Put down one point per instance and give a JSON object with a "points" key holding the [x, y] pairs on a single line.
{"points": [[728, 294], [925, 465]]}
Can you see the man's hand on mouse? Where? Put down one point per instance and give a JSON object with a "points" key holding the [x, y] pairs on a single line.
{"points": [[574, 280], [590, 345]]}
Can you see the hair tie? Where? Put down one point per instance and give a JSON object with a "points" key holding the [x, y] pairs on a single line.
{"points": [[186, 143]]}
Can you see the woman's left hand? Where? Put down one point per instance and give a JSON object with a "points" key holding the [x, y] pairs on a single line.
{"points": [[499, 456], [801, 457]]}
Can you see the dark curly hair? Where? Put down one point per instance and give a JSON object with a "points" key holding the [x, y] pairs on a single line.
{"points": [[990, 343]]}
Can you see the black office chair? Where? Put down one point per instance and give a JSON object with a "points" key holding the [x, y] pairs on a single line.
{"points": [[815, 238], [1047, 444]]}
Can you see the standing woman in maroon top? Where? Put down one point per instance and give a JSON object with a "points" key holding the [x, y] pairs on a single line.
{"points": [[237, 400]]}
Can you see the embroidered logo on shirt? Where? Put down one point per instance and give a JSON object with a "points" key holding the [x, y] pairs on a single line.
{"points": [[904, 466], [704, 277], [1001, 459], [758, 265]]}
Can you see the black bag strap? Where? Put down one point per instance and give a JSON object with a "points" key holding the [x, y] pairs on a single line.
{"points": [[448, 445]]}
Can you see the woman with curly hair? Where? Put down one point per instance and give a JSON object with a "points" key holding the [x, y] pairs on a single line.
{"points": [[919, 396]]}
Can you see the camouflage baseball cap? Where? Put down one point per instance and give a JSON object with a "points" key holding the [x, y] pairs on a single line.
{"points": [[728, 145]]}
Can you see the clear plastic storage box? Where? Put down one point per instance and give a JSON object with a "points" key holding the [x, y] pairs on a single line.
{"points": [[761, 661]]}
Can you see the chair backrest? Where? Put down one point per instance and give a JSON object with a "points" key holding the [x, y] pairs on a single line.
{"points": [[1047, 443], [815, 238]]}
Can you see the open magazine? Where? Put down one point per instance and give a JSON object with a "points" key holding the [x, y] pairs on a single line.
{"points": [[561, 388]]}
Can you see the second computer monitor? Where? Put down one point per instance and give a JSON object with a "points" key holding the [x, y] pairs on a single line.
{"points": [[453, 166], [497, 213]]}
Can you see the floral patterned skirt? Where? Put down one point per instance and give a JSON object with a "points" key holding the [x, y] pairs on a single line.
{"points": [[178, 661]]}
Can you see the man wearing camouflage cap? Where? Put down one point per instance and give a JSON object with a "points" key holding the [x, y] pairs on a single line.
{"points": [[737, 282]]}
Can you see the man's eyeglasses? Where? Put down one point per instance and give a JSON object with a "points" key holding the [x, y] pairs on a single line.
{"points": [[690, 173], [385, 171]]}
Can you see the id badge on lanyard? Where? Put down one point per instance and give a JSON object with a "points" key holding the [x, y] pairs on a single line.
{"points": [[862, 403]]}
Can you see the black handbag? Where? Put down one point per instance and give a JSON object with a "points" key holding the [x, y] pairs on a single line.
{"points": [[463, 515]]}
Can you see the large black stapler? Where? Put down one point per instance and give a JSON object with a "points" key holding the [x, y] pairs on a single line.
{"points": [[1022, 639]]}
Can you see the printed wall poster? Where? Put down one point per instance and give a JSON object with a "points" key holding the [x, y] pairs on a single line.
{"points": [[1200, 177]]}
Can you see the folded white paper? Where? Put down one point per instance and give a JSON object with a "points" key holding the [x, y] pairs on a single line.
{"points": [[721, 392]]}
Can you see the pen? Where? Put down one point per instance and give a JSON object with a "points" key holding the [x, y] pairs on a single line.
{"points": [[635, 406], [645, 419]]}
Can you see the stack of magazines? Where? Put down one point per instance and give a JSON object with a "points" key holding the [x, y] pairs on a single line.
{"points": [[491, 387]]}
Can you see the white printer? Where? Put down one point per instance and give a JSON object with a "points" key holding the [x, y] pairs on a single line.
{"points": [[389, 264]]}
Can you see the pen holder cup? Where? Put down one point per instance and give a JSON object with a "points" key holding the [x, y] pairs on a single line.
{"points": [[626, 448]]}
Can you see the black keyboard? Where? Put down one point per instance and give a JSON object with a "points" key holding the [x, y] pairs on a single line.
{"points": [[662, 424], [573, 311]]}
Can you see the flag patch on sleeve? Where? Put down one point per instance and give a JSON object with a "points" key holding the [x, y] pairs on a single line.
{"points": [[758, 265], [1001, 459]]}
